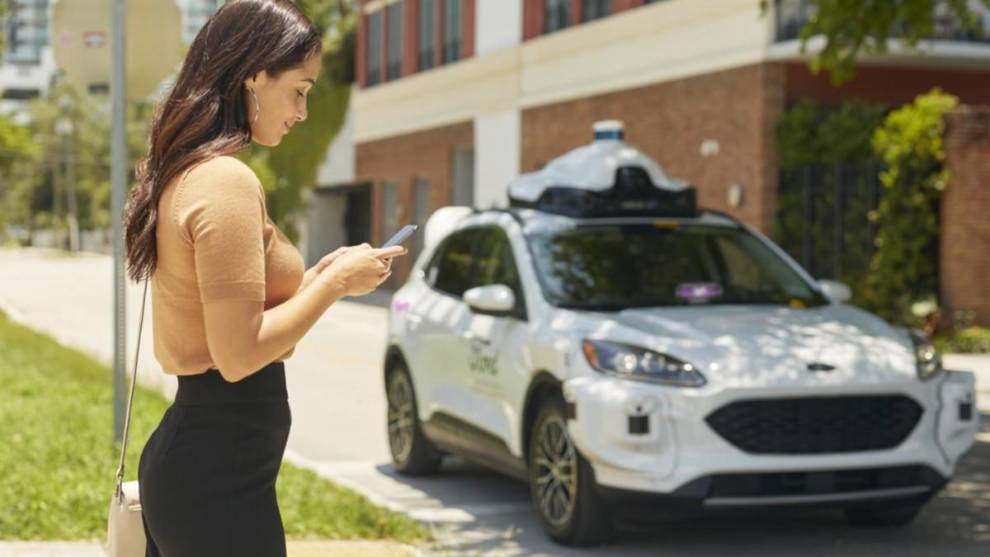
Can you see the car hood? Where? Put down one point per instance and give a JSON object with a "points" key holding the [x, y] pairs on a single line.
{"points": [[758, 346]]}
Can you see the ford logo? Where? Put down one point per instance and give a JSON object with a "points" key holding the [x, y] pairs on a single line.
{"points": [[818, 366]]}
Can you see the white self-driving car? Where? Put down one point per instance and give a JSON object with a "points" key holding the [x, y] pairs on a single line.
{"points": [[629, 354]]}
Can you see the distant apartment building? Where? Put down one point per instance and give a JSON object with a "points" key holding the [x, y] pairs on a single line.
{"points": [[27, 65], [195, 13], [26, 62], [455, 98]]}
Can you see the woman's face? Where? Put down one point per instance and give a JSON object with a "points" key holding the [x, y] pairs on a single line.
{"points": [[282, 100]]}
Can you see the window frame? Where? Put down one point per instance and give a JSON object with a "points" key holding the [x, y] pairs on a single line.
{"points": [[374, 50], [520, 312], [453, 16], [441, 252], [563, 6], [606, 6], [426, 51], [393, 68]]}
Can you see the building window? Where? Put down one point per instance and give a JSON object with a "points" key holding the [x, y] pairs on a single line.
{"points": [[421, 213], [26, 31], [427, 33], [196, 14], [594, 9], [374, 48], [451, 30], [390, 206], [556, 15], [463, 175], [394, 48]]}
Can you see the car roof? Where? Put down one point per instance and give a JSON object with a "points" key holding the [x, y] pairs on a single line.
{"points": [[531, 220]]}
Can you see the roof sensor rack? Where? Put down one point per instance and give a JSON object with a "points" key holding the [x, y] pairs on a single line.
{"points": [[606, 178], [632, 195]]}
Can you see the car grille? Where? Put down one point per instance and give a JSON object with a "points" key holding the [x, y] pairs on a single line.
{"points": [[816, 425]]}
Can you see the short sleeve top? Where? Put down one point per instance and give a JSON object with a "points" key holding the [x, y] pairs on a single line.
{"points": [[215, 242]]}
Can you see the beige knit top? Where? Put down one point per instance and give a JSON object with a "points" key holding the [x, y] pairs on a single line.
{"points": [[215, 242]]}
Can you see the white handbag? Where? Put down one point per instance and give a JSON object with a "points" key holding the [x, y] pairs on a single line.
{"points": [[125, 529]]}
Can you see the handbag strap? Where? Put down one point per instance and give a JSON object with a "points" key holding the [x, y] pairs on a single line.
{"points": [[130, 399]]}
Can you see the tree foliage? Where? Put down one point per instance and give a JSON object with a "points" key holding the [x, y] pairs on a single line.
{"points": [[28, 188], [34, 179], [853, 28], [292, 166], [827, 161]]}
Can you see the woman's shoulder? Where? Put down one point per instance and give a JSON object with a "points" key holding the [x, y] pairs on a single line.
{"points": [[222, 166], [221, 175]]}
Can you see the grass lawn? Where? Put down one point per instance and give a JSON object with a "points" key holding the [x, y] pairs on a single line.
{"points": [[58, 460]]}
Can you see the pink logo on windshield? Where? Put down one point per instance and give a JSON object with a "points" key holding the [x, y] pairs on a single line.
{"points": [[400, 306]]}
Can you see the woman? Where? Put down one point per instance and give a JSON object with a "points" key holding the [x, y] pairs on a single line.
{"points": [[230, 297]]}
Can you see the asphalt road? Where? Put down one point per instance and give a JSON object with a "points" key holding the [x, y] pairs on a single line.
{"points": [[335, 390]]}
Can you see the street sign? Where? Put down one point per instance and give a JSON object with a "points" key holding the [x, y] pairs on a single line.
{"points": [[84, 42]]}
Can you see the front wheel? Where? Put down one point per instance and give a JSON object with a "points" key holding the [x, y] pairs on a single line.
{"points": [[562, 483], [412, 452]]}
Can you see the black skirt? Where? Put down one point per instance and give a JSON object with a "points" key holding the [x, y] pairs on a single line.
{"points": [[207, 473]]}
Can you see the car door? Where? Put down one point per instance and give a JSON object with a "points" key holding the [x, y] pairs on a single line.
{"points": [[442, 317], [496, 370]]}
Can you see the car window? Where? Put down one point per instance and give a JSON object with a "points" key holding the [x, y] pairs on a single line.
{"points": [[496, 264], [432, 268], [456, 263], [611, 267]]}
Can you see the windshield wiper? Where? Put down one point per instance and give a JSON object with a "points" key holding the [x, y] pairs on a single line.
{"points": [[591, 307]]}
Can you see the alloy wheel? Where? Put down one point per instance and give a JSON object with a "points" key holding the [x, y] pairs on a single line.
{"points": [[554, 468], [401, 419]]}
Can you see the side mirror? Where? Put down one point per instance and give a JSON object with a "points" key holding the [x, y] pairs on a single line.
{"points": [[835, 291], [494, 299]]}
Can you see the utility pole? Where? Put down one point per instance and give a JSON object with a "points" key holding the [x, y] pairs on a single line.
{"points": [[118, 175]]}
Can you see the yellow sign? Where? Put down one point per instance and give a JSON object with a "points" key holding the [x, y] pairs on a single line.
{"points": [[82, 41]]}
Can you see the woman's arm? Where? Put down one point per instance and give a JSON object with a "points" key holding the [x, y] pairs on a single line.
{"points": [[222, 214], [242, 338]]}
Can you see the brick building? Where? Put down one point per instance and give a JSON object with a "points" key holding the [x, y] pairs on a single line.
{"points": [[455, 98]]}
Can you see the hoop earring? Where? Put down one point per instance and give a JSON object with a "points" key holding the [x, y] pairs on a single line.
{"points": [[257, 106]]}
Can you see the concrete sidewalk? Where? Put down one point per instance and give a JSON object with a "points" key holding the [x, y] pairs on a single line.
{"points": [[297, 548]]}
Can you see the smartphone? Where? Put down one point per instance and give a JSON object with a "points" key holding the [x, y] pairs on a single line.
{"points": [[401, 235]]}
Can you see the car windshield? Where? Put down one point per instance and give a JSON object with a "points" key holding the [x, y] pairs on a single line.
{"points": [[609, 267]]}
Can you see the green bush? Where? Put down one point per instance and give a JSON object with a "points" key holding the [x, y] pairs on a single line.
{"points": [[967, 340], [904, 267]]}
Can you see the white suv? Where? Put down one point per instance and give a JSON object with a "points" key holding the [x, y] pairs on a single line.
{"points": [[629, 355]]}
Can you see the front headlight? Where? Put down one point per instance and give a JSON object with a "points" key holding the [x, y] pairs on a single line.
{"points": [[929, 361], [640, 364]]}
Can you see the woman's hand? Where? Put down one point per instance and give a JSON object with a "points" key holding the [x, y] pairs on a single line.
{"points": [[359, 269], [322, 264]]}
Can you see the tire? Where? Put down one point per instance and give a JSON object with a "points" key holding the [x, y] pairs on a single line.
{"points": [[412, 453], [883, 516], [582, 519]]}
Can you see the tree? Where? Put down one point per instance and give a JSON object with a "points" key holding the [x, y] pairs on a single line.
{"points": [[36, 190], [4, 10], [852, 28], [15, 146], [292, 167]]}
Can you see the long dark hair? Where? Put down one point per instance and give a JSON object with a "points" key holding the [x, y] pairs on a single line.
{"points": [[204, 114]]}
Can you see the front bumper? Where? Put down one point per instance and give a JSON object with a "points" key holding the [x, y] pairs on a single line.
{"points": [[653, 440], [828, 488]]}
